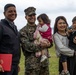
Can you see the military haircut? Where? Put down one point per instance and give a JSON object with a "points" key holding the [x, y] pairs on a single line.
{"points": [[7, 6]]}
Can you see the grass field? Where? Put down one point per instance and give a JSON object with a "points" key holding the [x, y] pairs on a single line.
{"points": [[53, 63]]}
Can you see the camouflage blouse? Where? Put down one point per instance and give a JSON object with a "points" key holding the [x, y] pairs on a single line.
{"points": [[27, 40]]}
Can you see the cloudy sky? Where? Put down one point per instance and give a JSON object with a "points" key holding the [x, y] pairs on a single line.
{"points": [[52, 8]]}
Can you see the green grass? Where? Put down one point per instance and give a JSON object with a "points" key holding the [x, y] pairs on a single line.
{"points": [[53, 63]]}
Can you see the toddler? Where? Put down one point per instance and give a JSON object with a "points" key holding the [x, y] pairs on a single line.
{"points": [[43, 34]]}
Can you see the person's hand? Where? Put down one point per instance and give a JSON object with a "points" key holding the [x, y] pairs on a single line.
{"points": [[70, 30], [38, 54], [44, 45], [48, 43], [74, 40], [1, 68]]}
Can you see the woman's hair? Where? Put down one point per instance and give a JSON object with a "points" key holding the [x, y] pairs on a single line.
{"points": [[56, 21], [45, 18]]}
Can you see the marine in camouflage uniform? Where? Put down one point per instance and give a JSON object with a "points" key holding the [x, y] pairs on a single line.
{"points": [[33, 66]]}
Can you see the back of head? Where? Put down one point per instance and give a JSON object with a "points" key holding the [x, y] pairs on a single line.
{"points": [[30, 11], [7, 6], [74, 19]]}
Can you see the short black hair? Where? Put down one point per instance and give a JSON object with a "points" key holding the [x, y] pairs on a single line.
{"points": [[7, 6], [74, 19]]}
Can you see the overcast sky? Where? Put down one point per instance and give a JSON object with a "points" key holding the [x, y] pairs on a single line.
{"points": [[52, 8]]}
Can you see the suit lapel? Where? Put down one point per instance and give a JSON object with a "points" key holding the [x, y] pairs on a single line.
{"points": [[5, 22]]}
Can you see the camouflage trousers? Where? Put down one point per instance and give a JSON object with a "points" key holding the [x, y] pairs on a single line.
{"points": [[34, 67]]}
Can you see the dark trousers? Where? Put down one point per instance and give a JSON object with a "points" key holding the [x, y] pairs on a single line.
{"points": [[73, 65], [14, 71], [60, 65]]}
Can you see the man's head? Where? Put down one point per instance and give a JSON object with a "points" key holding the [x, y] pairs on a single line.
{"points": [[30, 14], [74, 22], [10, 12]]}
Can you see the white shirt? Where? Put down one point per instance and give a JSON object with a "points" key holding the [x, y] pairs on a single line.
{"points": [[44, 28]]}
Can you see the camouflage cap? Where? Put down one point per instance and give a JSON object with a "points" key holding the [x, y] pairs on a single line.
{"points": [[30, 11]]}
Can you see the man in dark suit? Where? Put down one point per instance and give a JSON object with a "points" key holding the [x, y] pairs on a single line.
{"points": [[9, 39]]}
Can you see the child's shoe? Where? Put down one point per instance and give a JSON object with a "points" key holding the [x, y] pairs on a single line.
{"points": [[43, 58], [65, 73], [62, 73]]}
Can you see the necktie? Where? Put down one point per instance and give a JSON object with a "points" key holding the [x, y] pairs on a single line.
{"points": [[14, 28]]}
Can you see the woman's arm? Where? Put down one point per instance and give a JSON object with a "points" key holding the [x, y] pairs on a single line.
{"points": [[62, 48]]}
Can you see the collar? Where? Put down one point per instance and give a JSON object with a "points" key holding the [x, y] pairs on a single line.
{"points": [[31, 25], [11, 23]]}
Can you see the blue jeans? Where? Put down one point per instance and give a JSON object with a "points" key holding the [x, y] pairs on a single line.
{"points": [[14, 71]]}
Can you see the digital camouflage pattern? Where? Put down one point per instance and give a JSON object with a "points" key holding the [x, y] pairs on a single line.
{"points": [[30, 10], [32, 63]]}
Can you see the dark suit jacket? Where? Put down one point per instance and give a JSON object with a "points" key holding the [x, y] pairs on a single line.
{"points": [[9, 41]]}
